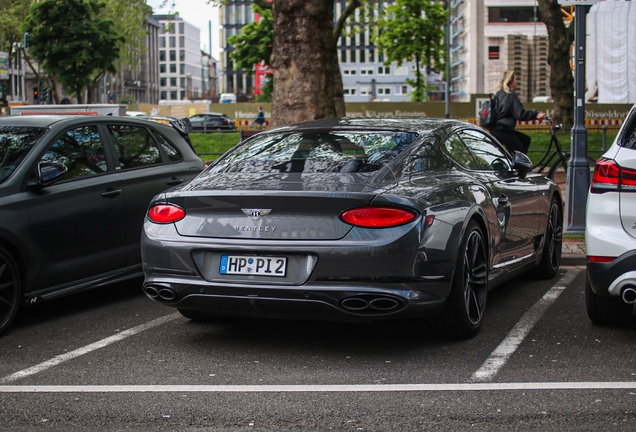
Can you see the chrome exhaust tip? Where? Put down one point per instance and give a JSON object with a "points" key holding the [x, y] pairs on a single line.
{"points": [[167, 294], [355, 303], [151, 292], [629, 295], [384, 304]]}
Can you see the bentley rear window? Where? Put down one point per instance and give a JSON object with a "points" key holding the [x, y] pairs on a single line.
{"points": [[316, 152]]}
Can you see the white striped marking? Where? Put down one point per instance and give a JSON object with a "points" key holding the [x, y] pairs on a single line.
{"points": [[509, 345], [373, 388], [87, 349]]}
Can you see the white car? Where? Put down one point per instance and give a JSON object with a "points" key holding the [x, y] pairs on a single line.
{"points": [[610, 231]]}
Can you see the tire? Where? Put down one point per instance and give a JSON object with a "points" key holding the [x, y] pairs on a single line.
{"points": [[553, 242], [463, 313], [605, 310], [10, 289], [558, 170]]}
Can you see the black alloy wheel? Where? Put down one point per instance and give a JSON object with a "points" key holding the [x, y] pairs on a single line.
{"points": [[553, 242], [9, 289], [463, 314]]}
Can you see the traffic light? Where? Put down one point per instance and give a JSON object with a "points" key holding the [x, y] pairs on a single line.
{"points": [[26, 39], [36, 94], [45, 94]]}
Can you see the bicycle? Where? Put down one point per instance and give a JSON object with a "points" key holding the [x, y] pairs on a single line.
{"points": [[557, 167]]}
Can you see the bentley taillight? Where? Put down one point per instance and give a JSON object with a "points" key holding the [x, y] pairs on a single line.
{"points": [[378, 217], [165, 213]]}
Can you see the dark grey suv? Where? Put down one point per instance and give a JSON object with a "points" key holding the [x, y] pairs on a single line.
{"points": [[73, 194]]}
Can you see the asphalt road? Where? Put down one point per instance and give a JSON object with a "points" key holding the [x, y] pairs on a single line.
{"points": [[114, 360]]}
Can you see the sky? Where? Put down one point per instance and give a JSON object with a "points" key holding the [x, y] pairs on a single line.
{"points": [[199, 14]]}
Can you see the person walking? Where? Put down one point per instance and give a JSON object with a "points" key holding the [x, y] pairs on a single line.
{"points": [[511, 110], [259, 120]]}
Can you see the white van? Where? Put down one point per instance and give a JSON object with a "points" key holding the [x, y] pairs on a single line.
{"points": [[227, 98]]}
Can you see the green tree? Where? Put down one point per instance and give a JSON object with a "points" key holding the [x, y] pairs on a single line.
{"points": [[128, 17], [413, 30], [72, 43], [253, 46]]}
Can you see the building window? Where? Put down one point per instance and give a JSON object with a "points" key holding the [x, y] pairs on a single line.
{"points": [[362, 56], [182, 68], [162, 42], [182, 82], [181, 28], [514, 14], [401, 90], [163, 82], [343, 56], [371, 56], [162, 68], [493, 53], [173, 95], [349, 71], [163, 94], [173, 82], [365, 91], [173, 55], [173, 68], [162, 55], [384, 91], [181, 55], [350, 91], [181, 42], [173, 42], [384, 70]]}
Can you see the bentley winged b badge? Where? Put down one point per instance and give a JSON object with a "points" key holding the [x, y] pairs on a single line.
{"points": [[256, 214]]}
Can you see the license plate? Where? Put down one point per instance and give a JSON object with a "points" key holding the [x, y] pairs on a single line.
{"points": [[250, 265]]}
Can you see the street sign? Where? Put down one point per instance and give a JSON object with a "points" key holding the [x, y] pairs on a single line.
{"points": [[577, 2], [4, 65]]}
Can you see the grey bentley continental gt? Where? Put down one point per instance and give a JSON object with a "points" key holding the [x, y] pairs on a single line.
{"points": [[353, 219]]}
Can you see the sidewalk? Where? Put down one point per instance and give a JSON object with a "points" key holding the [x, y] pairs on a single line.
{"points": [[573, 252]]}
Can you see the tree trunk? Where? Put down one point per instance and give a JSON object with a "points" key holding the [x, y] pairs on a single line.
{"points": [[303, 61], [561, 77]]}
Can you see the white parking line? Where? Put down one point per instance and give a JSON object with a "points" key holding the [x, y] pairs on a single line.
{"points": [[87, 349], [372, 388], [509, 345]]}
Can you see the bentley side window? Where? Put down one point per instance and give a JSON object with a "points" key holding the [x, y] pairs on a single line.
{"points": [[487, 155]]}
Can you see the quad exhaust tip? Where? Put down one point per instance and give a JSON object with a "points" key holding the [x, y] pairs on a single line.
{"points": [[160, 293], [371, 304]]}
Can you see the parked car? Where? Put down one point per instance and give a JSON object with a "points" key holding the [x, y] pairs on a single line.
{"points": [[73, 194], [354, 219], [610, 231], [211, 122]]}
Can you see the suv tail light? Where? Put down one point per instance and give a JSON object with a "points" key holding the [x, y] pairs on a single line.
{"points": [[609, 176]]}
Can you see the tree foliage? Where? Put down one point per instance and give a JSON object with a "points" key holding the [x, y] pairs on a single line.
{"points": [[413, 30], [72, 43], [254, 43], [128, 18], [13, 14]]}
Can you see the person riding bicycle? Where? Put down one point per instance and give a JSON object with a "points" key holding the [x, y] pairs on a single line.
{"points": [[511, 110]]}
